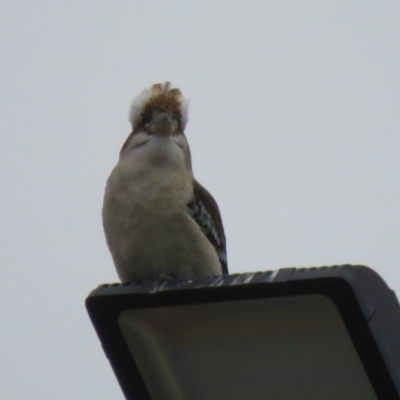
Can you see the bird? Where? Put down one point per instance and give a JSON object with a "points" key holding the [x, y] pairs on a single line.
{"points": [[159, 221]]}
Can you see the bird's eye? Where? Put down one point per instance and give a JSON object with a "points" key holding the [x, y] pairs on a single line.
{"points": [[146, 123]]}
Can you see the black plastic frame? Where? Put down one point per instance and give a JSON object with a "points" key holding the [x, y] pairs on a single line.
{"points": [[370, 311]]}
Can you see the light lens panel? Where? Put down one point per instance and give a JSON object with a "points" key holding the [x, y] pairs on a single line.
{"points": [[279, 348]]}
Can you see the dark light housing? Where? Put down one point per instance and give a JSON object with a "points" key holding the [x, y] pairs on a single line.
{"points": [[329, 333]]}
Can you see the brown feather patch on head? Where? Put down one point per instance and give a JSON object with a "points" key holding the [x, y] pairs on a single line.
{"points": [[169, 102], [159, 98]]}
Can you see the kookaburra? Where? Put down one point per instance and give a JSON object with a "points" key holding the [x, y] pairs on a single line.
{"points": [[158, 220]]}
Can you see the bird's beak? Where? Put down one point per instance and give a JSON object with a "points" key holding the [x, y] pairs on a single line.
{"points": [[162, 125]]}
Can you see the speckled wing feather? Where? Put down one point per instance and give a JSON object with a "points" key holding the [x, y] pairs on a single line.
{"points": [[204, 210]]}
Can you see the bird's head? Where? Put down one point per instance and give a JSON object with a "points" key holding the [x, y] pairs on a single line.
{"points": [[156, 113], [159, 110]]}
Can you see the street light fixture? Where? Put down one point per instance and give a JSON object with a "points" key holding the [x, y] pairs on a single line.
{"points": [[329, 333]]}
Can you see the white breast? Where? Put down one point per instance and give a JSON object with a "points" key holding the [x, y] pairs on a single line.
{"points": [[145, 219]]}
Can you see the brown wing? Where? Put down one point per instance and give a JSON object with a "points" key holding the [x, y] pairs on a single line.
{"points": [[204, 210]]}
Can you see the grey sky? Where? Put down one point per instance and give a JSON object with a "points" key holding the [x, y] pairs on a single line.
{"points": [[293, 125]]}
